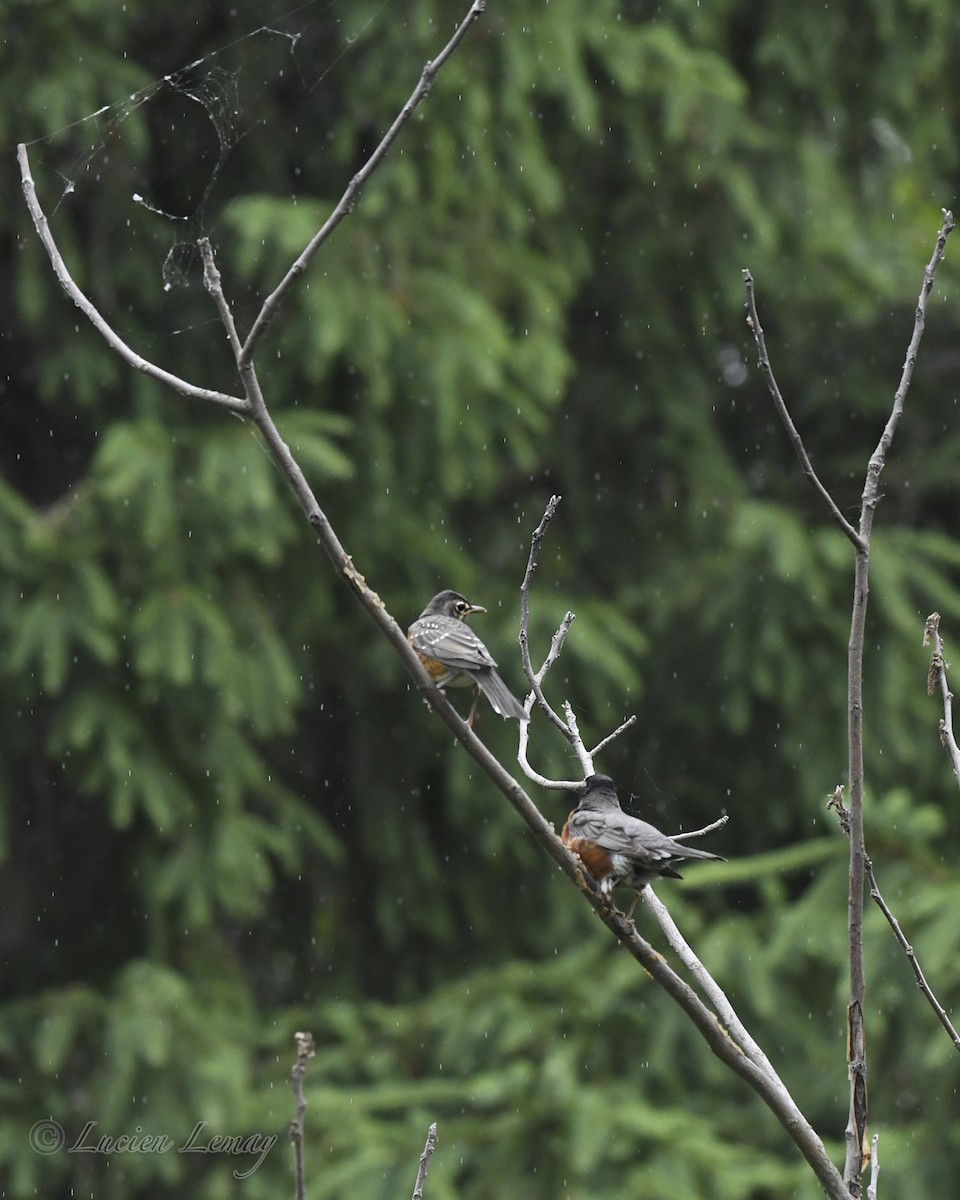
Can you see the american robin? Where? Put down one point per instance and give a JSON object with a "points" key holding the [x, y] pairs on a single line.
{"points": [[449, 648], [617, 848]]}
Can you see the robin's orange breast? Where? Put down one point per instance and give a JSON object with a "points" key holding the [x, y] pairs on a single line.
{"points": [[594, 857], [434, 667]]}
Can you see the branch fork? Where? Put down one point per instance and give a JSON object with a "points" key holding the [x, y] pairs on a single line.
{"points": [[852, 820]]}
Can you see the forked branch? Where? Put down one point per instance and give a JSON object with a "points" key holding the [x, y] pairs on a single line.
{"points": [[94, 316], [856, 1133], [720, 1039], [567, 725]]}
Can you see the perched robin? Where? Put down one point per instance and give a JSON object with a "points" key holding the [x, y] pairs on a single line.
{"points": [[449, 648], [617, 848]]}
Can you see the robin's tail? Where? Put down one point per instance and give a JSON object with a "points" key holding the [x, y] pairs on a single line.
{"points": [[502, 700], [691, 852]]}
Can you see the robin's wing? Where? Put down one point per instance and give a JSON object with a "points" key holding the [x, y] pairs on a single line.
{"points": [[451, 642], [619, 833]]}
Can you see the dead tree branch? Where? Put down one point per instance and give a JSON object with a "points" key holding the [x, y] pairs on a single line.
{"points": [[107, 332], [717, 997], [856, 1133], [567, 725], [305, 1052], [703, 1019], [253, 404], [872, 1193], [937, 677], [428, 1148], [345, 206], [911, 956], [843, 816], [753, 321]]}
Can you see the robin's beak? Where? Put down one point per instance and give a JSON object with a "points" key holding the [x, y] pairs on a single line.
{"points": [[474, 608]]}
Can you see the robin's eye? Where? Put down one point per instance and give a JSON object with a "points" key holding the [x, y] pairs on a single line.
{"points": [[462, 606]]}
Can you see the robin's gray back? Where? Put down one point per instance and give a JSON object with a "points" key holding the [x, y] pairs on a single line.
{"points": [[450, 641], [617, 832]]}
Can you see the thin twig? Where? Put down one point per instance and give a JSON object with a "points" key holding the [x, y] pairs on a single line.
{"points": [[576, 740], [556, 645], [214, 285], [621, 728], [697, 833], [348, 199], [753, 320], [89, 310], [843, 815], [937, 676], [428, 1148], [568, 726], [872, 1193], [305, 1052], [911, 956], [535, 678], [878, 458]]}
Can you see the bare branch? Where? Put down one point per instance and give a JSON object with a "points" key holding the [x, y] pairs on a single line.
{"points": [[852, 819], [535, 678], [874, 1167], [556, 645], [717, 997], [214, 285], [911, 956], [429, 1146], [305, 1052], [696, 833], [93, 315], [753, 320], [567, 725], [621, 728], [347, 200], [937, 676], [569, 785], [836, 802], [856, 1132], [763, 1079], [878, 458], [575, 739]]}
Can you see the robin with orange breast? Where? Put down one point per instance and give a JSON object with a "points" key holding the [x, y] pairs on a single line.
{"points": [[449, 649], [617, 848]]}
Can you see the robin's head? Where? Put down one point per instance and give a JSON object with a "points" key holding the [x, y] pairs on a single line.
{"points": [[599, 793], [451, 604]]}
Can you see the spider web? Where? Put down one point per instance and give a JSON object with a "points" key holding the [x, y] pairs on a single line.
{"points": [[200, 112]]}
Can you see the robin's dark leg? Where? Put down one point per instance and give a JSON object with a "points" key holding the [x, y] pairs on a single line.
{"points": [[473, 707], [636, 901]]}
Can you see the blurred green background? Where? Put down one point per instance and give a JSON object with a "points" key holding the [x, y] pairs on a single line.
{"points": [[226, 815]]}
